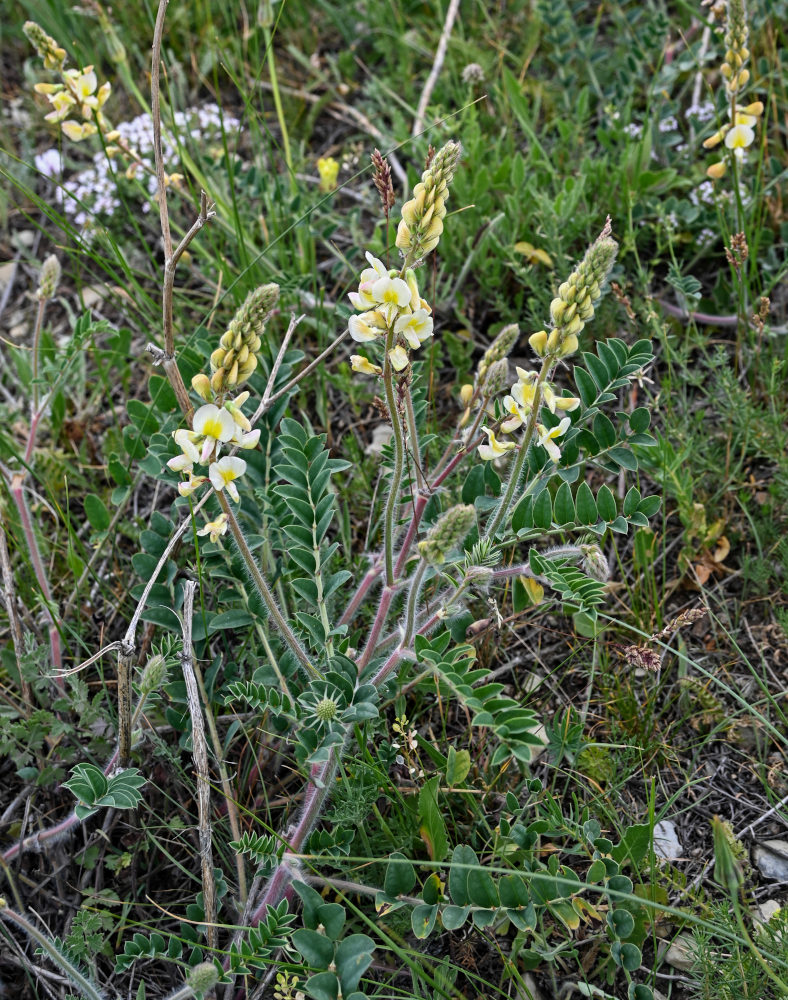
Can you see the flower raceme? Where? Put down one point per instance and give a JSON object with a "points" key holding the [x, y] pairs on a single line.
{"points": [[526, 395], [214, 427], [388, 303]]}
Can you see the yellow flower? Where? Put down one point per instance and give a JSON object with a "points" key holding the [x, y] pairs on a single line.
{"points": [[538, 342], [554, 402], [77, 132], [364, 367], [398, 358], [216, 426], [328, 168], [547, 437], [223, 473], [739, 137], [494, 448], [215, 528]]}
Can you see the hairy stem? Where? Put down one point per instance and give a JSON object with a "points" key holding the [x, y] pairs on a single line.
{"points": [[514, 479], [392, 500], [265, 591]]}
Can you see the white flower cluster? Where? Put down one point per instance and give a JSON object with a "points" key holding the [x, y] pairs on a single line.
{"points": [[212, 427], [93, 191], [525, 396], [388, 303]]}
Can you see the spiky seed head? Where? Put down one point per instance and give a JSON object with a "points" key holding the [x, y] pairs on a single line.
{"points": [[49, 278], [382, 179], [326, 709], [447, 533], [236, 357]]}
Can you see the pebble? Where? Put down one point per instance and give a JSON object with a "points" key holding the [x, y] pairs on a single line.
{"points": [[771, 859], [666, 842], [381, 436], [680, 954]]}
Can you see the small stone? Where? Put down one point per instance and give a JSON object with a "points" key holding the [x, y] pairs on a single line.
{"points": [[680, 954], [531, 991], [763, 912], [666, 842], [381, 436], [536, 751], [771, 859]]}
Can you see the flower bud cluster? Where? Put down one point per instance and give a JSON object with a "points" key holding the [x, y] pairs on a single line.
{"points": [[54, 55], [154, 675], [736, 51], [388, 302], [739, 132], [235, 358], [500, 348], [447, 533], [49, 278], [573, 307], [422, 217]]}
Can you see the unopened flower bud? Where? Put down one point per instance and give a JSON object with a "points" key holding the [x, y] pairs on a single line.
{"points": [[497, 377], [727, 870], [538, 342], [236, 357], [49, 278], [202, 977], [501, 347], [716, 170], [422, 217], [202, 386], [447, 533], [154, 674], [466, 394], [595, 562]]}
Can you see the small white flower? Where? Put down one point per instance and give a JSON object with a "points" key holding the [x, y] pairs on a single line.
{"points": [[246, 439], [215, 425], [415, 327], [223, 472], [368, 326], [392, 294], [194, 482]]}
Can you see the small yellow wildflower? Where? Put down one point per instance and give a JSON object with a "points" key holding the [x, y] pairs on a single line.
{"points": [[328, 168], [494, 448]]}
